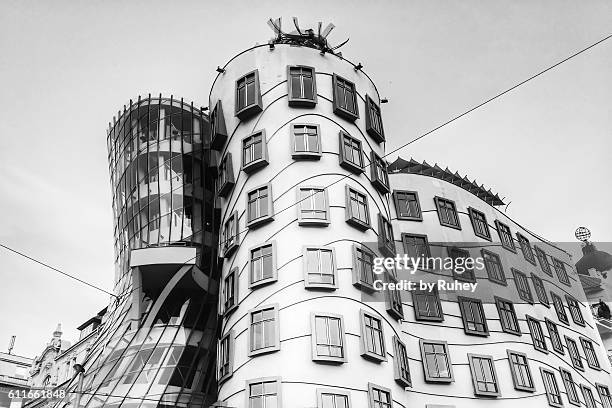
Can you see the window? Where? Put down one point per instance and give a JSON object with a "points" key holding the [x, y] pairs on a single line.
{"points": [[479, 223], [537, 335], [436, 361], [538, 285], [259, 205], [494, 268], [572, 350], [264, 330], [262, 265], [248, 96], [351, 153], [574, 308], [505, 236], [407, 205], [264, 393], [522, 286], [460, 258], [427, 305], [313, 206], [319, 268], [543, 260], [332, 398], [604, 394], [400, 363], [230, 235], [225, 179], [589, 353], [302, 86], [357, 210], [447, 213], [372, 337], [521, 373], [386, 244], [507, 316], [555, 338], [254, 152], [378, 173], [363, 267], [561, 272], [472, 313], [345, 98], [328, 340], [379, 397], [226, 356], [306, 141], [230, 291], [559, 308], [526, 248], [416, 246], [552, 389], [393, 300], [374, 125], [218, 131], [570, 387], [587, 394], [484, 377]]}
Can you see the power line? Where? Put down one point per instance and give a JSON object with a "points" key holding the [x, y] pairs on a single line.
{"points": [[56, 270], [470, 110], [502, 93]]}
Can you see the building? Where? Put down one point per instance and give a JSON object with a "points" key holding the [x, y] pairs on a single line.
{"points": [[13, 379], [307, 205], [593, 270], [54, 368], [157, 343], [289, 312]]}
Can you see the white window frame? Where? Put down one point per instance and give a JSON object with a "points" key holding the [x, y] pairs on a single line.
{"points": [[374, 387], [274, 275], [272, 348], [332, 391], [313, 330], [261, 219], [234, 287], [400, 363], [473, 369], [365, 352], [314, 191], [277, 380], [309, 154], [230, 338], [253, 165], [319, 285]]}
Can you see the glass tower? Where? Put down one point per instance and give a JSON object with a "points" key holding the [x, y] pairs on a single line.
{"points": [[157, 345]]}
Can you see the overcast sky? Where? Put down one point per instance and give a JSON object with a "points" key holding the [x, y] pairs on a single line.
{"points": [[67, 67]]}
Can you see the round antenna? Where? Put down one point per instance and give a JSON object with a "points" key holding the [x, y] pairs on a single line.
{"points": [[582, 234]]}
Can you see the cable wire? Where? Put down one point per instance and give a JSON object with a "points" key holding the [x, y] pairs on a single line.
{"points": [[56, 270]]}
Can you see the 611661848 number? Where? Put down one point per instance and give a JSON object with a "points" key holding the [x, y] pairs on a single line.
{"points": [[36, 393]]}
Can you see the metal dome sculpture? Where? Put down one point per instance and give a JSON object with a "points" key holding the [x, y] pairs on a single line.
{"points": [[304, 37]]}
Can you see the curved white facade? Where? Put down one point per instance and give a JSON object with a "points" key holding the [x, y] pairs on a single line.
{"points": [[278, 308], [300, 376]]}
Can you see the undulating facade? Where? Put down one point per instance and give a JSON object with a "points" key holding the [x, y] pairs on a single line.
{"points": [[247, 243], [307, 205]]}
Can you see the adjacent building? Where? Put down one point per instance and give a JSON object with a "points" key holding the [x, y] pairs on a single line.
{"points": [[54, 368], [593, 270], [13, 379]]}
